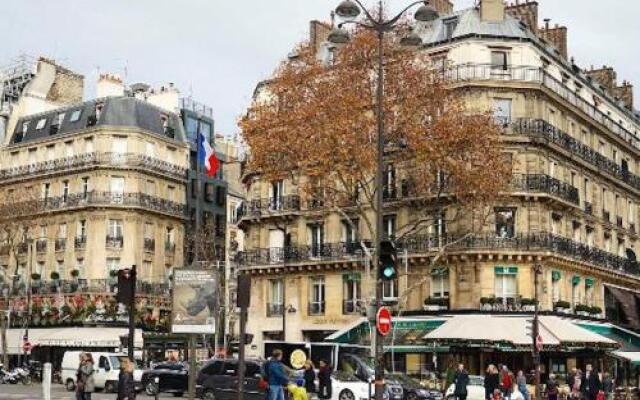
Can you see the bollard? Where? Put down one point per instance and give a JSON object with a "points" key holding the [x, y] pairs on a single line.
{"points": [[46, 381], [157, 381]]}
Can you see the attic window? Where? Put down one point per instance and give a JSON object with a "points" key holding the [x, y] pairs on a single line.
{"points": [[75, 115], [450, 27], [25, 126], [41, 123]]}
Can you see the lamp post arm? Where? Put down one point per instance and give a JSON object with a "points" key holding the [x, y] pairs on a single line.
{"points": [[367, 13], [390, 24], [360, 24]]}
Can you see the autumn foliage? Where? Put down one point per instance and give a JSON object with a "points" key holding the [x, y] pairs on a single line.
{"points": [[315, 122]]}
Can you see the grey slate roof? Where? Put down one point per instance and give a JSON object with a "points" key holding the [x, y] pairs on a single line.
{"points": [[126, 112]]}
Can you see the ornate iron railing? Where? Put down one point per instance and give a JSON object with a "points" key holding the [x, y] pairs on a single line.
{"points": [[545, 184], [69, 286], [271, 205]]}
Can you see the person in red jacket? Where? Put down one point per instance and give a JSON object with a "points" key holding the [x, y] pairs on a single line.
{"points": [[506, 382]]}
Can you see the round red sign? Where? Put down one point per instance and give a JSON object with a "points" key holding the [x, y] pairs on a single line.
{"points": [[539, 343], [26, 347], [383, 321]]}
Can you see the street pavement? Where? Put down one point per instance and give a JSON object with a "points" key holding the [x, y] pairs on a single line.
{"points": [[58, 392]]}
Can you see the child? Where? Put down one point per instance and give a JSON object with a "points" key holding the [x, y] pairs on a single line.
{"points": [[297, 391], [497, 395]]}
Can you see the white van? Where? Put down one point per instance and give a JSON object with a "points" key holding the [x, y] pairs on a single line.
{"points": [[106, 366]]}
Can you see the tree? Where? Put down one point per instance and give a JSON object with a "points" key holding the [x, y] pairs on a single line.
{"points": [[17, 207], [314, 122]]}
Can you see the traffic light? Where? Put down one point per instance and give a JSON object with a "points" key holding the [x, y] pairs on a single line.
{"points": [[387, 269], [529, 327], [126, 283]]}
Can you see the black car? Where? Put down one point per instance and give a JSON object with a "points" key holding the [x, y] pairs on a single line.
{"points": [[412, 389], [166, 378], [218, 380]]}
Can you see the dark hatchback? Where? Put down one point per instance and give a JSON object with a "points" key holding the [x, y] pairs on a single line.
{"points": [[412, 389], [218, 380], [166, 378]]}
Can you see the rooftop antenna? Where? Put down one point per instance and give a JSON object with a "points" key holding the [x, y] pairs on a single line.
{"points": [[333, 19]]}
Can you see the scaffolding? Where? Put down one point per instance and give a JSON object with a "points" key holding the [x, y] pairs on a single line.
{"points": [[14, 77]]}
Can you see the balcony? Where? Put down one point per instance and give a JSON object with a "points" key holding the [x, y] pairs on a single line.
{"points": [[542, 130], [530, 74], [41, 246], [619, 222], [275, 310], [316, 308], [540, 183], [588, 208], [425, 244], [114, 242], [60, 244], [606, 215], [169, 247], [351, 307], [105, 199], [271, 205], [149, 245], [80, 242], [90, 160]]}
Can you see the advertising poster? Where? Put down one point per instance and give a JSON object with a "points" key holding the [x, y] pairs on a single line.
{"points": [[195, 301]]}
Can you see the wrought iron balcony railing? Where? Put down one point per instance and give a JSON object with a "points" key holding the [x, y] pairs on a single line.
{"points": [[149, 245], [71, 286], [271, 205], [60, 244], [91, 160], [275, 310], [95, 198], [424, 244], [169, 247], [541, 129], [41, 246], [352, 306], [545, 184], [588, 208], [316, 308], [114, 242], [80, 242]]}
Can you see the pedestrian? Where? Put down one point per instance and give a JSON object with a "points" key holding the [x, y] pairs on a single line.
{"points": [[521, 381], [324, 380], [461, 381], [126, 384], [607, 386], [297, 391], [491, 381], [577, 385], [552, 388], [80, 378], [309, 377], [572, 377], [86, 376], [506, 382], [277, 376], [590, 385]]}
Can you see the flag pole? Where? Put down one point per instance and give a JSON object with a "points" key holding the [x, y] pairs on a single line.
{"points": [[198, 190]]}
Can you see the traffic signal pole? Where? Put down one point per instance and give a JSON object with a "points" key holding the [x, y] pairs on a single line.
{"points": [[535, 331], [132, 309]]}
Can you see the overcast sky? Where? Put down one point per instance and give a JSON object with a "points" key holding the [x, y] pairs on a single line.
{"points": [[218, 50]]}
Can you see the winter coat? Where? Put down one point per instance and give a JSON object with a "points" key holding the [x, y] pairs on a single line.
{"points": [[126, 386], [491, 383], [310, 380], [277, 376], [461, 381], [86, 375], [324, 379]]}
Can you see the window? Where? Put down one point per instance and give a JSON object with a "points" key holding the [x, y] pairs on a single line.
{"points": [[62, 231], [88, 145], [351, 292], [191, 126], [119, 149], [556, 286], [450, 27], [150, 149], [51, 152], [114, 228], [117, 189], [276, 297], [41, 123], [631, 212], [113, 264], [506, 284], [171, 193], [505, 222], [206, 130], [389, 188], [390, 290], [590, 237], [502, 111], [32, 157], [59, 119], [46, 187], [75, 116], [169, 235], [276, 245], [350, 231], [85, 187], [586, 188], [68, 149], [39, 268], [553, 166], [213, 369], [82, 228], [316, 295], [389, 224], [150, 188], [499, 61], [65, 191], [276, 195], [80, 266], [25, 127], [316, 239], [148, 230], [440, 283], [171, 155], [589, 291], [575, 291], [60, 267]]}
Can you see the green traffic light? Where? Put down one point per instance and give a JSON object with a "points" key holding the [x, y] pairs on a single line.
{"points": [[389, 272]]}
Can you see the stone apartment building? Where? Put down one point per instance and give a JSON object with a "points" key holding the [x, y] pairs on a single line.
{"points": [[571, 135]]}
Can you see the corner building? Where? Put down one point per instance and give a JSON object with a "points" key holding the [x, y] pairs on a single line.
{"points": [[571, 136]]}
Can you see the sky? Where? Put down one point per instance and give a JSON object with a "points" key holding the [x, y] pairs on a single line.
{"points": [[218, 50]]}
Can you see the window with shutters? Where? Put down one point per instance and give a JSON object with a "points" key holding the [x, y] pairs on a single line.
{"points": [[506, 282]]}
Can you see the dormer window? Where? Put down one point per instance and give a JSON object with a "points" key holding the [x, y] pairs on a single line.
{"points": [[75, 116], [99, 108], [25, 126], [59, 119], [450, 27], [41, 123]]}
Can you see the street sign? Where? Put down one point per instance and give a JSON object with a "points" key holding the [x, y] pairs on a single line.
{"points": [[383, 321], [26, 347], [539, 343]]}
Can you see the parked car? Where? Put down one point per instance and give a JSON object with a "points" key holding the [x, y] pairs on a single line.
{"points": [[412, 389], [347, 386], [106, 367], [475, 390], [171, 377], [217, 380]]}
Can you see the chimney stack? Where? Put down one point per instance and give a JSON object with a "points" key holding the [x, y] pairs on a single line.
{"points": [[318, 34], [109, 85], [557, 36], [492, 10], [526, 12]]}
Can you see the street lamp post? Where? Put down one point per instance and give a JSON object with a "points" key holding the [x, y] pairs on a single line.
{"points": [[537, 271], [349, 10]]}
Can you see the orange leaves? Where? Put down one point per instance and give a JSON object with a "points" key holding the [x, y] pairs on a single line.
{"points": [[317, 119]]}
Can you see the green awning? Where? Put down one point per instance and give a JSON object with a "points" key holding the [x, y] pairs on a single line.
{"points": [[629, 342], [556, 276], [408, 332], [575, 280], [589, 282], [352, 277], [506, 270]]}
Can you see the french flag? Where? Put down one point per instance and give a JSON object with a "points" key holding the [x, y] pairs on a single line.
{"points": [[207, 156]]}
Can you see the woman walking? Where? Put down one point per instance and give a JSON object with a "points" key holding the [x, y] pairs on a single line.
{"points": [[85, 384], [521, 381], [552, 388], [491, 382], [324, 379], [309, 377], [126, 385]]}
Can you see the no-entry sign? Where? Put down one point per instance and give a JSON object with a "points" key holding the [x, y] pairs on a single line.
{"points": [[26, 347], [383, 321]]}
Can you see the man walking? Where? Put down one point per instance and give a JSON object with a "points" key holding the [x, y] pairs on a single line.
{"points": [[461, 381], [277, 377], [590, 384]]}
